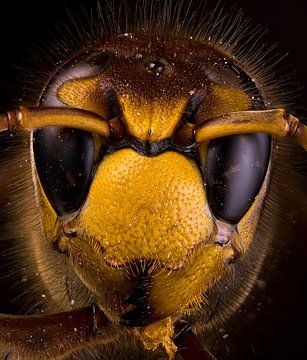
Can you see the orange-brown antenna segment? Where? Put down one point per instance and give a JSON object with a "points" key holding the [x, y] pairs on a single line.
{"points": [[29, 119], [274, 122]]}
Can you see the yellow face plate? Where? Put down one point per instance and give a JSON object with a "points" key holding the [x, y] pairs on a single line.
{"points": [[146, 207]]}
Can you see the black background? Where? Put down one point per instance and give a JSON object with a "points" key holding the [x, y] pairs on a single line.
{"points": [[22, 23]]}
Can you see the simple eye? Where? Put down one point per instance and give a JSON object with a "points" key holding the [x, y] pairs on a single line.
{"points": [[234, 172], [64, 162]]}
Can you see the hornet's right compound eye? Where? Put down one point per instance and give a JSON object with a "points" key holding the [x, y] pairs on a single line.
{"points": [[64, 157], [234, 173], [64, 162]]}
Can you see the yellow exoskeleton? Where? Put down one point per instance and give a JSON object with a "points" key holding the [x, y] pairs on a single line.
{"points": [[147, 159]]}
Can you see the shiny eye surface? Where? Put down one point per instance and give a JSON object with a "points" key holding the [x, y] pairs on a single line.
{"points": [[64, 157], [234, 172], [64, 162]]}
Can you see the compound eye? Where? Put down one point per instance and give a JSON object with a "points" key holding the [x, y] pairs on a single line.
{"points": [[64, 162], [234, 172]]}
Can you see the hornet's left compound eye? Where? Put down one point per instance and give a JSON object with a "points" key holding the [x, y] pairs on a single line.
{"points": [[64, 162], [234, 173]]}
